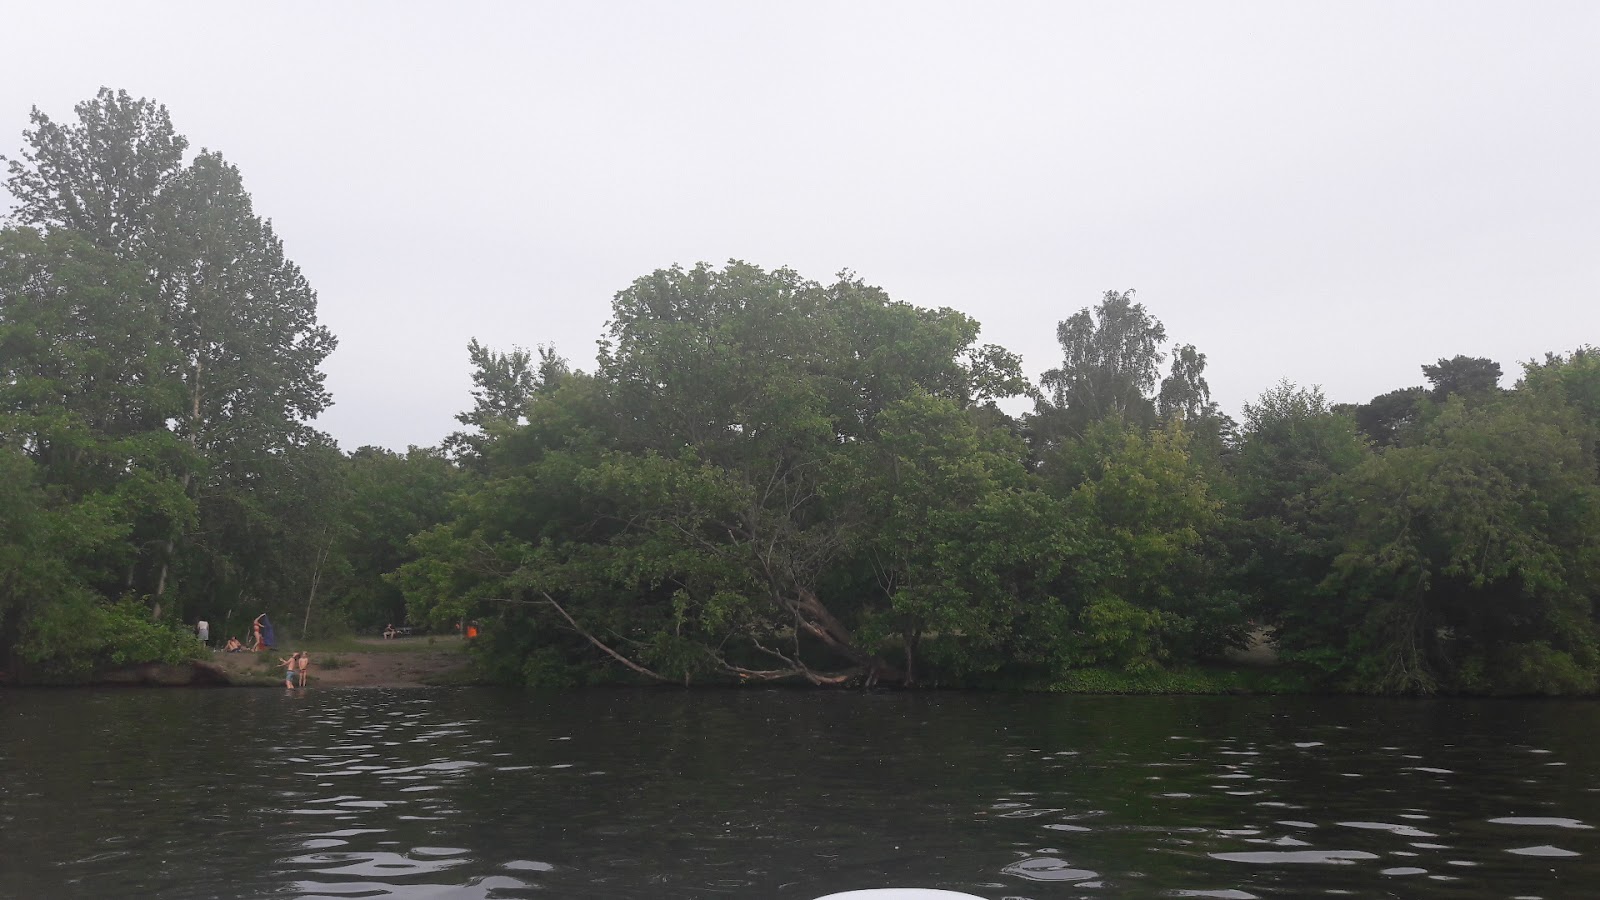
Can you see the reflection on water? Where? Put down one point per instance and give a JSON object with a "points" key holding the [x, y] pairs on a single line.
{"points": [[473, 793]]}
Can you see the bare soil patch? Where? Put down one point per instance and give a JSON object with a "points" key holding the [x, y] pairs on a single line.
{"points": [[359, 662]]}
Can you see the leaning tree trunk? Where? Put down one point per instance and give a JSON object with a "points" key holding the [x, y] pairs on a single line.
{"points": [[316, 578], [818, 621]]}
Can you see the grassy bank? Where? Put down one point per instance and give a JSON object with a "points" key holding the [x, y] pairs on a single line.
{"points": [[1191, 680], [354, 644]]}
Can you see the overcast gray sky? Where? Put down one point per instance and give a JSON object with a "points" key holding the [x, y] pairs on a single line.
{"points": [[1333, 193]]}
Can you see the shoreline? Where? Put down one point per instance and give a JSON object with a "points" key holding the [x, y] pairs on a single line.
{"points": [[415, 662], [354, 662]]}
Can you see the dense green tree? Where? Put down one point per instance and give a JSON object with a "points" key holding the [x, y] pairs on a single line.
{"points": [[241, 314], [51, 551], [237, 327], [1292, 446], [1111, 359], [55, 626], [267, 546], [1143, 577], [1571, 380], [727, 486], [959, 543], [80, 341], [769, 478], [1470, 376], [88, 475], [1185, 395], [1389, 419], [1468, 560], [389, 498], [84, 394], [1396, 417], [243, 319]]}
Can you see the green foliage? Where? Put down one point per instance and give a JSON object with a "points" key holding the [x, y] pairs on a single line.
{"points": [[1119, 633], [547, 667], [1571, 382], [766, 477], [1178, 681], [1146, 567], [1292, 447], [504, 384], [1185, 396], [1293, 443], [956, 537], [101, 176], [159, 361], [82, 394], [697, 499], [1389, 419], [1475, 543], [54, 548], [131, 637], [772, 477], [387, 499], [1462, 376], [75, 638], [1111, 358]]}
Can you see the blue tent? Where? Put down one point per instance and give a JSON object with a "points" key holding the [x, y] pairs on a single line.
{"points": [[269, 638]]}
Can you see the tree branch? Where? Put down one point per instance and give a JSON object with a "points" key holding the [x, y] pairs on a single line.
{"points": [[602, 647]]}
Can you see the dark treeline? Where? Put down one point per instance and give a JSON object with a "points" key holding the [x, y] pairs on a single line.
{"points": [[764, 478]]}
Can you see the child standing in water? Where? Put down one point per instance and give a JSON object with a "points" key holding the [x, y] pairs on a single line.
{"points": [[291, 669], [304, 667]]}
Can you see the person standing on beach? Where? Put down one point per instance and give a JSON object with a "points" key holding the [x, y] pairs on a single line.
{"points": [[304, 667]]}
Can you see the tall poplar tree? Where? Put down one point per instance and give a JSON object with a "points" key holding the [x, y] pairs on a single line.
{"points": [[238, 324], [100, 176]]}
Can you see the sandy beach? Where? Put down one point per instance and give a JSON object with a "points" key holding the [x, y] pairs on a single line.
{"points": [[374, 662]]}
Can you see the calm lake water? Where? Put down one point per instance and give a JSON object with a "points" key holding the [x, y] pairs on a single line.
{"points": [[477, 793]]}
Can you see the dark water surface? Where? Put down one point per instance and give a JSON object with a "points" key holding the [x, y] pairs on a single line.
{"points": [[475, 793]]}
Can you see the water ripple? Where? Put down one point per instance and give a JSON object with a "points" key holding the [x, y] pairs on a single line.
{"points": [[1401, 830], [371, 864], [476, 794], [1046, 868], [1546, 821], [1542, 850], [1297, 857]]}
